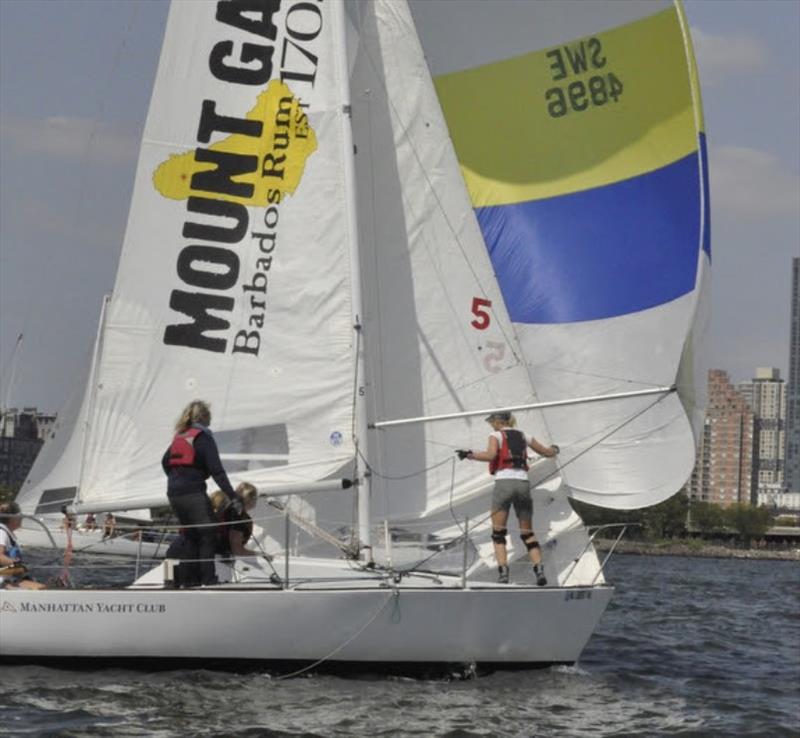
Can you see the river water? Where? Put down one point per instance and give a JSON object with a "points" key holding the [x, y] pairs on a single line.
{"points": [[688, 647]]}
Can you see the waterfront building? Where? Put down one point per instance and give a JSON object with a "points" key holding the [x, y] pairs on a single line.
{"points": [[724, 472], [792, 440], [22, 433], [766, 396], [778, 499]]}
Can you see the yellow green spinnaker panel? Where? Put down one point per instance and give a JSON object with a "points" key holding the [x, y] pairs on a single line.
{"points": [[582, 114], [584, 161]]}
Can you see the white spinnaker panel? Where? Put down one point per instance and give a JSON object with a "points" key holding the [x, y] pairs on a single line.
{"points": [[261, 255], [693, 368], [594, 212], [434, 345]]}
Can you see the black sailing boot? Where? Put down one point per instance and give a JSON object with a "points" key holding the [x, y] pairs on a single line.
{"points": [[538, 569], [502, 574]]}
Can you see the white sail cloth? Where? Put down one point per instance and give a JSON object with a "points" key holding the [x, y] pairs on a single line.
{"points": [[233, 284]]}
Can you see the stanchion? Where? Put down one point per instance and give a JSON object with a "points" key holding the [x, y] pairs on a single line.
{"points": [[464, 561]]}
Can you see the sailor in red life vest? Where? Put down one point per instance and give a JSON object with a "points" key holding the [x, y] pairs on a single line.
{"points": [[191, 458], [507, 454]]}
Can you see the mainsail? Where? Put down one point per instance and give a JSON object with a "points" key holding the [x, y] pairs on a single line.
{"points": [[579, 133], [234, 279]]}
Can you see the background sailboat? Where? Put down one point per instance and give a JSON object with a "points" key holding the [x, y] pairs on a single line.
{"points": [[53, 482]]}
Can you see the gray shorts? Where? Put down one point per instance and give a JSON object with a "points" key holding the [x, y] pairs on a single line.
{"points": [[516, 492]]}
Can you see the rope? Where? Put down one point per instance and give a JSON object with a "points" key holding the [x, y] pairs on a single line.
{"points": [[405, 476], [63, 579], [393, 595]]}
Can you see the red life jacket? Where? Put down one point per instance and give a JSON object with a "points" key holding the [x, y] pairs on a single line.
{"points": [[181, 452], [512, 453]]}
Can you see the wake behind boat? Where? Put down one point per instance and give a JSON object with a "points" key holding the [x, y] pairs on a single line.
{"points": [[356, 229]]}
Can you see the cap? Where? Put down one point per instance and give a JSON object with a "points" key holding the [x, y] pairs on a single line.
{"points": [[505, 417]]}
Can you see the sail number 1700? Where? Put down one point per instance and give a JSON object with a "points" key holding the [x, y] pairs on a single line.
{"points": [[579, 95]]}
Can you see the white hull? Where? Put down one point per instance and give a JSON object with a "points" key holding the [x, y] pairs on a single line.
{"points": [[419, 621], [334, 611]]}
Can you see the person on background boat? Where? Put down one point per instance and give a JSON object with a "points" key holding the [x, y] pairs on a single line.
{"points": [[507, 454], [13, 572], [109, 526], [90, 523], [68, 521], [191, 458], [237, 527]]}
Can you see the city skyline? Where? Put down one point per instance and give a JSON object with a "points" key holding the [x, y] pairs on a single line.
{"points": [[69, 137]]}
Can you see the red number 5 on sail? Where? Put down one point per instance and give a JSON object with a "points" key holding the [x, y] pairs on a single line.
{"points": [[483, 318]]}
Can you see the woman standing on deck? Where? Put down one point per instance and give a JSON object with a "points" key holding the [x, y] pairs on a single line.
{"points": [[507, 454], [191, 458]]}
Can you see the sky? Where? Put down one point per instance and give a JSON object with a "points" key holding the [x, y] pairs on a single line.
{"points": [[75, 82]]}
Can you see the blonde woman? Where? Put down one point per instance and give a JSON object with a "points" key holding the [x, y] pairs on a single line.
{"points": [[507, 454], [237, 527], [191, 458]]}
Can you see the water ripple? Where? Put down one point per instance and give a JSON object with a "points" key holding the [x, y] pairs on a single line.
{"points": [[689, 647]]}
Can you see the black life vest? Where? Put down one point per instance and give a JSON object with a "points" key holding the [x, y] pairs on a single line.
{"points": [[512, 453], [181, 452]]}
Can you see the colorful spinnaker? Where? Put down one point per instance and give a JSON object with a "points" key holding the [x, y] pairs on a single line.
{"points": [[580, 137]]}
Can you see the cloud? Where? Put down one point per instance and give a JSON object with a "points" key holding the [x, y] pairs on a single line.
{"points": [[70, 138], [752, 183], [719, 57]]}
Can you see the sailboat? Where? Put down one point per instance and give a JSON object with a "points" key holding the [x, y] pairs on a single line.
{"points": [[356, 229]]}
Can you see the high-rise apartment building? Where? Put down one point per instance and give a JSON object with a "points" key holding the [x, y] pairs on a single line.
{"points": [[766, 396], [22, 433], [792, 452], [724, 470]]}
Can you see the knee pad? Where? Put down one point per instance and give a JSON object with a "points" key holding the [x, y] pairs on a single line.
{"points": [[529, 544], [499, 535]]}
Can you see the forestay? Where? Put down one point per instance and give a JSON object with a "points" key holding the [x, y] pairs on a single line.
{"points": [[579, 133], [233, 283]]}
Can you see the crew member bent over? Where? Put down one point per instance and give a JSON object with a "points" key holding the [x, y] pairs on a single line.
{"points": [[191, 458], [507, 454]]}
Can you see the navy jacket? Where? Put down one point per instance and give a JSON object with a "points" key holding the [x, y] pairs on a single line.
{"points": [[206, 464]]}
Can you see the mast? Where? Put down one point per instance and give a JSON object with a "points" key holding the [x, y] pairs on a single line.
{"points": [[360, 409], [11, 374]]}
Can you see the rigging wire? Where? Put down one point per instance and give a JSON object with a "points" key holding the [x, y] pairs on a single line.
{"points": [[558, 470]]}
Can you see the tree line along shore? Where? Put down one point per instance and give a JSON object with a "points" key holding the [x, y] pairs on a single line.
{"points": [[683, 527]]}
